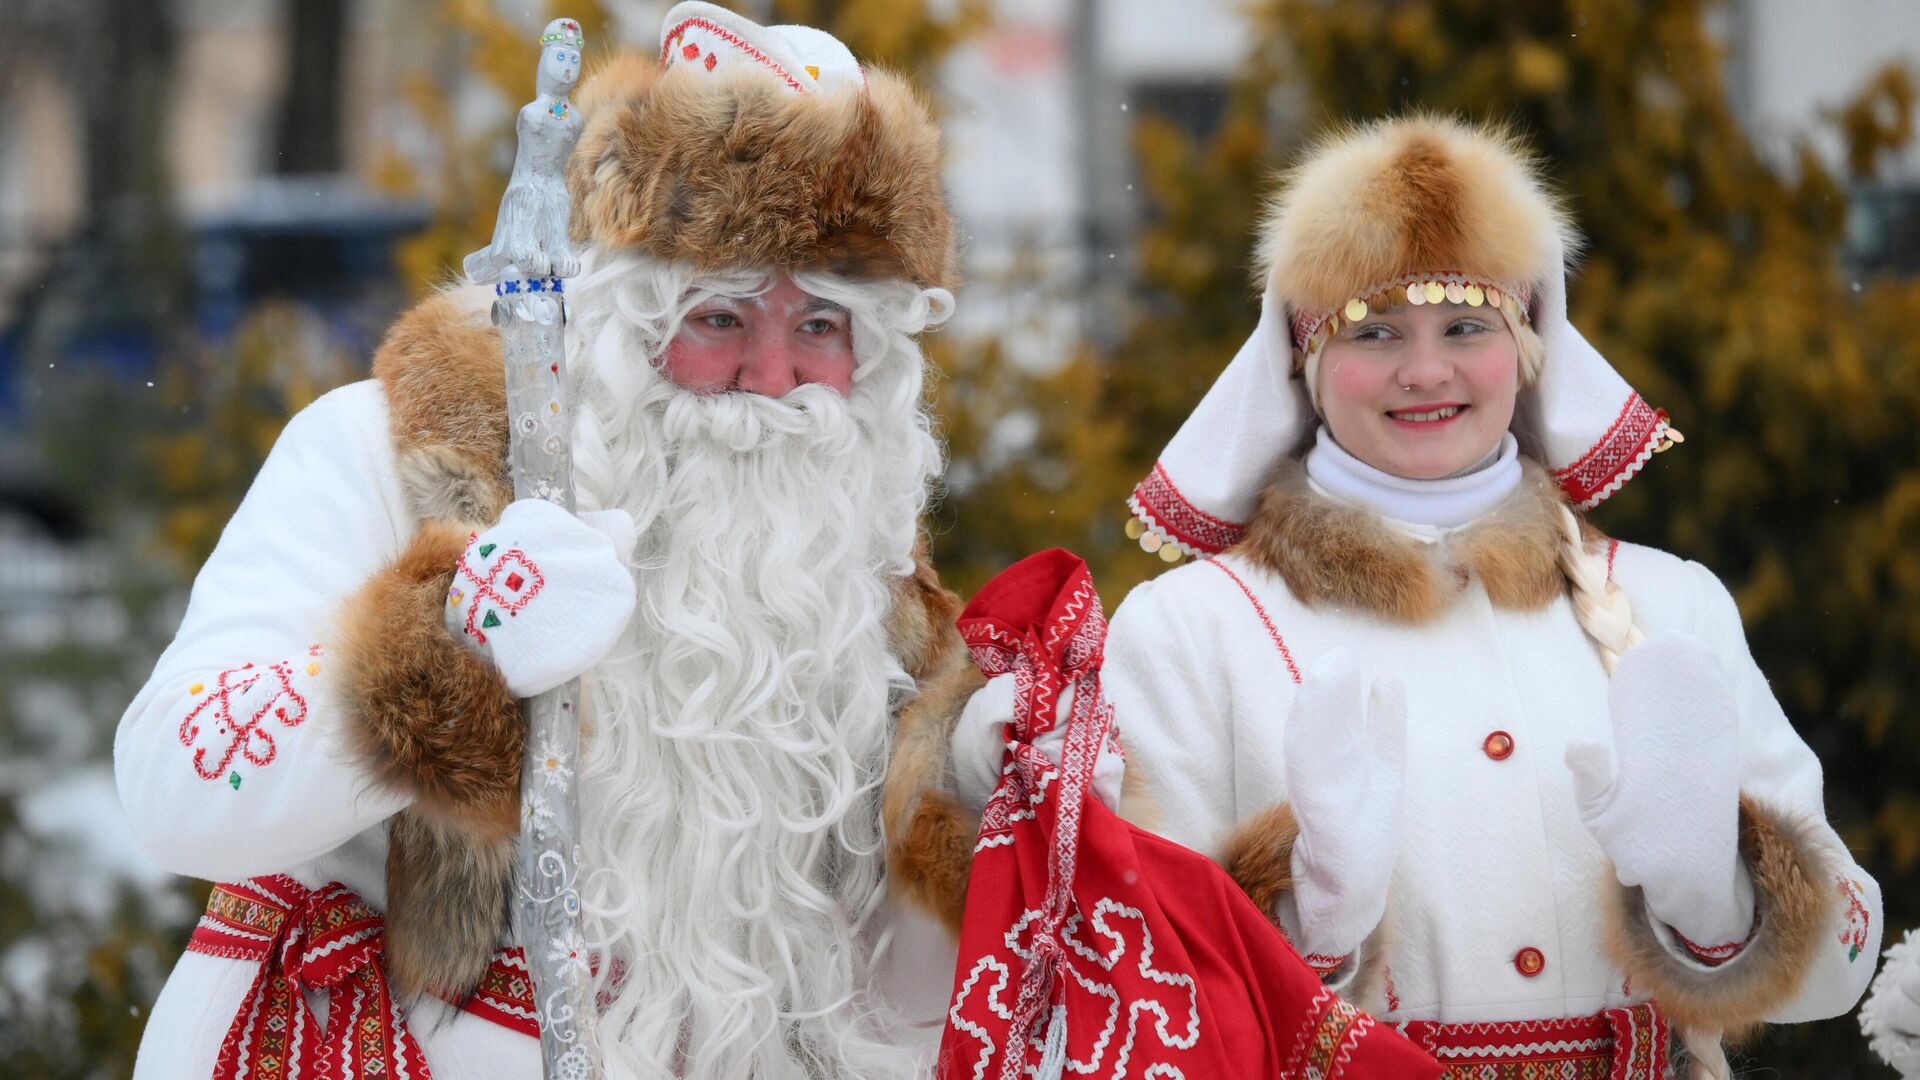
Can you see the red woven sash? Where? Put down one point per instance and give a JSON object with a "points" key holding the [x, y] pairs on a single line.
{"points": [[1619, 1044], [306, 939]]}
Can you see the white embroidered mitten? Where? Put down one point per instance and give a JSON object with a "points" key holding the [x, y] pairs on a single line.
{"points": [[1346, 747], [979, 743], [1665, 804], [1891, 1016], [544, 594]]}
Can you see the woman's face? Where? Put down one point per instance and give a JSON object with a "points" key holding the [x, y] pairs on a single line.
{"points": [[1421, 391]]}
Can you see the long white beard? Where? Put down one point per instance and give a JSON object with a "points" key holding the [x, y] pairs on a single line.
{"points": [[730, 828]]}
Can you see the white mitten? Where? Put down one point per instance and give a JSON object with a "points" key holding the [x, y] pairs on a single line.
{"points": [[1891, 1016], [978, 746], [1669, 817], [544, 594], [1346, 747]]}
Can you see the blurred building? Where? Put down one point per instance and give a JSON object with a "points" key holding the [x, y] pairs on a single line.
{"points": [[281, 126]]}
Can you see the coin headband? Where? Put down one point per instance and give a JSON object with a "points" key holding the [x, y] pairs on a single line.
{"points": [[1310, 332]]}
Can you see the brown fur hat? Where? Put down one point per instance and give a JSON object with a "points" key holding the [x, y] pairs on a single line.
{"points": [[734, 169], [1372, 203]]}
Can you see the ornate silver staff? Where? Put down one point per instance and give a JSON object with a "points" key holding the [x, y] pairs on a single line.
{"points": [[526, 263]]}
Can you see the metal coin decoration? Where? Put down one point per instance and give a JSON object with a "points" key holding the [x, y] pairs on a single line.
{"points": [[527, 263]]}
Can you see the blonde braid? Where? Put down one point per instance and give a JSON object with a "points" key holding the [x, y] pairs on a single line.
{"points": [[1607, 617], [1602, 606]]}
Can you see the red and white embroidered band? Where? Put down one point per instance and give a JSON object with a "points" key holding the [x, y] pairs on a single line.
{"points": [[1619, 1044], [505, 994], [306, 939]]}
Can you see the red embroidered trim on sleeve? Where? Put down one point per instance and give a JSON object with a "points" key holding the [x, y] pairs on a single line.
{"points": [[1710, 955], [1324, 965]]}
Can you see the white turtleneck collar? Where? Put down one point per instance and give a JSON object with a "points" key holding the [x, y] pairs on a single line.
{"points": [[1447, 503]]}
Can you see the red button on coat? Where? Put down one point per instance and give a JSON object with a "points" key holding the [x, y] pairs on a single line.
{"points": [[1499, 746], [1529, 961]]}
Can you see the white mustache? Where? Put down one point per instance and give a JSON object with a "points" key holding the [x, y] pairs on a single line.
{"points": [[810, 419]]}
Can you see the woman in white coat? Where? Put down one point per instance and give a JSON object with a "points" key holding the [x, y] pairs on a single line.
{"points": [[1517, 788]]}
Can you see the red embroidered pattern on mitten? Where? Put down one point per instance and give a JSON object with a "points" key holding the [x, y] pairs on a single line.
{"points": [[512, 582], [242, 725]]}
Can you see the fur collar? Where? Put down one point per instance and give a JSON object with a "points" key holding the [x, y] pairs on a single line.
{"points": [[1335, 554]]}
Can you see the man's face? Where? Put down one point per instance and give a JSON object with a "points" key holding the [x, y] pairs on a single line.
{"points": [[766, 344]]}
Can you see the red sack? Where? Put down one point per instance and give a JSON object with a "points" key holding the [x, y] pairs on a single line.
{"points": [[1093, 947]]}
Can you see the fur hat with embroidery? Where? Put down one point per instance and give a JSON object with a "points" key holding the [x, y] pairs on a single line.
{"points": [[742, 145], [1406, 210], [1413, 210]]}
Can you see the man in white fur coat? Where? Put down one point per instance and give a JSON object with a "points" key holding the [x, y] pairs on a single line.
{"points": [[335, 734]]}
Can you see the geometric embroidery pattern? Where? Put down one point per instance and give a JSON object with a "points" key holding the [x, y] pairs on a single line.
{"points": [[303, 939], [234, 715], [1620, 453], [1159, 503], [505, 994], [1618, 1044], [1327, 1040], [511, 582]]}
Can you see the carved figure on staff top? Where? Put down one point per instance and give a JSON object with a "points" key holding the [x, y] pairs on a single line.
{"points": [[533, 212]]}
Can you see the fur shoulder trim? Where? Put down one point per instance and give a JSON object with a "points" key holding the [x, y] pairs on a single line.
{"points": [[446, 393], [734, 170], [1792, 901], [1339, 555], [1371, 203]]}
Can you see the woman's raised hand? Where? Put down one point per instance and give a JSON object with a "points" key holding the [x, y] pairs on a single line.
{"points": [[1664, 804], [1346, 747]]}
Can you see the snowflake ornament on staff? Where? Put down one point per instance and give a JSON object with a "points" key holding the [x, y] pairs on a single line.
{"points": [[526, 262]]}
